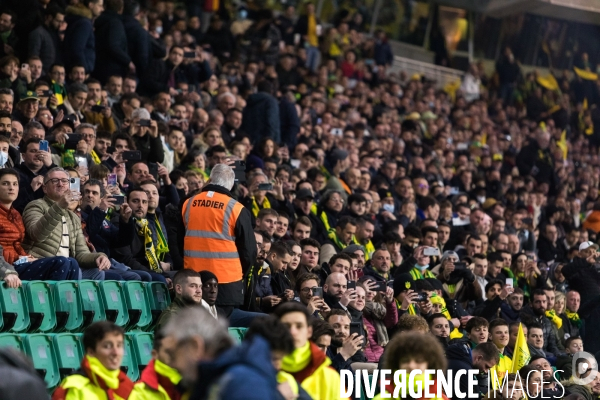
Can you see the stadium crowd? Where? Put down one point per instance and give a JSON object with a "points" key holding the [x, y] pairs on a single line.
{"points": [[369, 219]]}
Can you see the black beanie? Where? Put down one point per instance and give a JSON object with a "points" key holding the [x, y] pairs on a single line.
{"points": [[207, 276]]}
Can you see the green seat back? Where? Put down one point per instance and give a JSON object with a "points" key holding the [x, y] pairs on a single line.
{"points": [[68, 348], [129, 359], [91, 298], [13, 340], [238, 334], [39, 348], [40, 301], [114, 302], [142, 343], [14, 301], [158, 295], [67, 298], [135, 294]]}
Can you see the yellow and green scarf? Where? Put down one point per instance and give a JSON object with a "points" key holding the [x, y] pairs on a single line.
{"points": [[297, 360], [573, 317], [556, 320], [95, 158], [256, 208], [411, 308], [151, 254], [335, 239]]}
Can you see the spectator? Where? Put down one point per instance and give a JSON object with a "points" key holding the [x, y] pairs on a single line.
{"points": [[111, 43], [79, 37], [483, 358], [261, 114], [44, 41], [378, 315], [52, 230], [318, 380], [101, 365], [188, 292]]}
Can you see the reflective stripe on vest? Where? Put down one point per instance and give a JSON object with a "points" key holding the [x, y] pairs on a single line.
{"points": [[209, 243]]}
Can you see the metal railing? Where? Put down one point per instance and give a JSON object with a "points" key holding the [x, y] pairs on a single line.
{"points": [[441, 75]]}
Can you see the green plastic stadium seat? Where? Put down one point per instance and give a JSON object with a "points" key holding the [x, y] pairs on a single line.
{"points": [[42, 311], [142, 344], [137, 303], [91, 298], [69, 352], [238, 334], [115, 305], [13, 340], [129, 364], [158, 296], [68, 300], [14, 310], [39, 348]]}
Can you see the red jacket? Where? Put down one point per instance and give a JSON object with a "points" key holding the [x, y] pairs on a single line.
{"points": [[12, 233]]}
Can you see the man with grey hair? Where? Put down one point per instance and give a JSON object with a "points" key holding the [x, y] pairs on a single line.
{"points": [[218, 236], [195, 336]]}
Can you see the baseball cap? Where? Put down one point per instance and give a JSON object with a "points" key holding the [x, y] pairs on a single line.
{"points": [[337, 155], [304, 194], [587, 245], [30, 95]]}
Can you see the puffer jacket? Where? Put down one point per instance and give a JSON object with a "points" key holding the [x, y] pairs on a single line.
{"points": [[43, 232]]}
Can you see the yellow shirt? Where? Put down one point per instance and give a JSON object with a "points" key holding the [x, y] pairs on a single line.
{"points": [[313, 40]]}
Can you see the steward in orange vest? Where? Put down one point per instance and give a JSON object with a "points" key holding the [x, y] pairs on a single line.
{"points": [[219, 238]]}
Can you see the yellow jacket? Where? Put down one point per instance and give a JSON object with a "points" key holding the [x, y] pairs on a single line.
{"points": [[150, 388], [94, 384]]}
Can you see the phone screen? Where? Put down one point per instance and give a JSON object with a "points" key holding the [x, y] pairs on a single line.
{"points": [[111, 180], [318, 292], [43, 145]]}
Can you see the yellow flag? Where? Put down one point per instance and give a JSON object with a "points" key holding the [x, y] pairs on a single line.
{"points": [[521, 354], [548, 81], [562, 144]]}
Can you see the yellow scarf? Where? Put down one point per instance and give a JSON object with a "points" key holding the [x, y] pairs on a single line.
{"points": [[285, 377], [166, 371], [95, 157], [297, 360], [145, 231], [435, 299], [573, 317], [411, 308], [556, 320], [110, 378], [256, 209]]}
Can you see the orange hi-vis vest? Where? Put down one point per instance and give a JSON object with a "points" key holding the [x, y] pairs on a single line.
{"points": [[209, 243]]}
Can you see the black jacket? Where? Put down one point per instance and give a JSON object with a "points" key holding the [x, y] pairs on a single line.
{"points": [[103, 234], [138, 44], [550, 344], [112, 57], [232, 293], [584, 278], [156, 76], [459, 358]]}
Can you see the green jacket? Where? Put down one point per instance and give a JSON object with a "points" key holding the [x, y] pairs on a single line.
{"points": [[176, 305], [43, 232]]}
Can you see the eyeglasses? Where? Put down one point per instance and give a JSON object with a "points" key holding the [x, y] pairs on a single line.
{"points": [[55, 181], [307, 290]]}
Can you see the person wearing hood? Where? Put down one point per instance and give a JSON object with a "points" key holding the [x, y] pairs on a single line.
{"points": [[326, 214], [261, 114], [308, 364], [252, 370], [496, 293], [337, 163], [79, 37], [482, 358]]}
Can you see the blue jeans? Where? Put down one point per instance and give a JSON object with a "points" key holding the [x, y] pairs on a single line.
{"points": [[49, 269], [312, 58], [96, 275]]}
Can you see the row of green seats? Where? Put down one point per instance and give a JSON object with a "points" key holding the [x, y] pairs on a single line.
{"points": [[71, 306], [58, 355]]}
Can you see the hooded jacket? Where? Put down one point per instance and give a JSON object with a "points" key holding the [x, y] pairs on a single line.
{"points": [[592, 221], [242, 372], [584, 278], [79, 38]]}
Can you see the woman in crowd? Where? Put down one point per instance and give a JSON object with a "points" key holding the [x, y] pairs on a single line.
{"points": [[379, 313]]}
